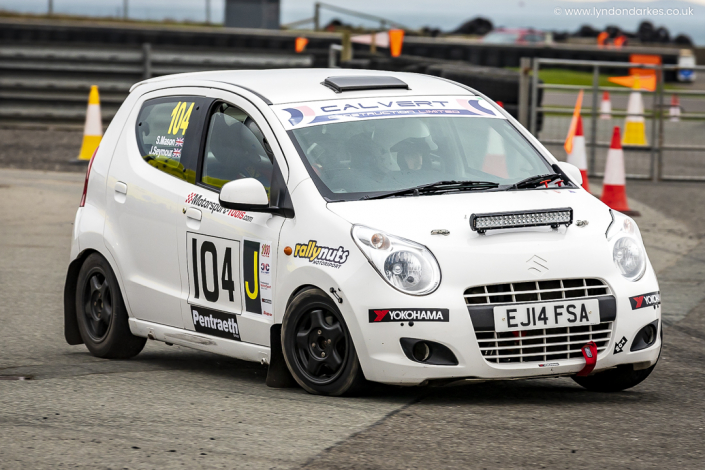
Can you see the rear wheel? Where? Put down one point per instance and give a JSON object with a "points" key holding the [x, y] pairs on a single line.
{"points": [[317, 346], [102, 317], [614, 380]]}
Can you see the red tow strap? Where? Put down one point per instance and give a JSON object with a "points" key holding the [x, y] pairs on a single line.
{"points": [[590, 354]]}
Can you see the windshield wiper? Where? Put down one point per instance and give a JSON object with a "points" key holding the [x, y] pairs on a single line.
{"points": [[438, 187], [534, 181]]}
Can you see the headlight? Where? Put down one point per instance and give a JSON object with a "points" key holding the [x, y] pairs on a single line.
{"points": [[405, 265], [628, 252]]}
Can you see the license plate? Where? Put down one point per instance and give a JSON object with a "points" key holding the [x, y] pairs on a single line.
{"points": [[540, 315]]}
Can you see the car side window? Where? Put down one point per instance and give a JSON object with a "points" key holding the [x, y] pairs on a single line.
{"points": [[168, 134], [235, 149]]}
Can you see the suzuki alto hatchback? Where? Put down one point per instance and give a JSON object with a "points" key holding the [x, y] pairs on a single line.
{"points": [[350, 225]]}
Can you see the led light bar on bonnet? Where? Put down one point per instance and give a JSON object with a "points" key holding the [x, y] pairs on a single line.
{"points": [[502, 220]]}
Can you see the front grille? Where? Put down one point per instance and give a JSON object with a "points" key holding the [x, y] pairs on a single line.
{"points": [[536, 290], [548, 344], [542, 345]]}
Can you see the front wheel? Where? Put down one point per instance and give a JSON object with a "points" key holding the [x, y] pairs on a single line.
{"points": [[317, 346], [101, 312], [614, 380]]}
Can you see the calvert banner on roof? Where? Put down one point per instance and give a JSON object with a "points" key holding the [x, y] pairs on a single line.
{"points": [[297, 115]]}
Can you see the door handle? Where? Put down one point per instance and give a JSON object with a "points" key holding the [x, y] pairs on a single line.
{"points": [[121, 188], [193, 213]]}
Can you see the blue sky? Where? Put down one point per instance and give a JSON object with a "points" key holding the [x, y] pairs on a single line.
{"points": [[446, 14]]}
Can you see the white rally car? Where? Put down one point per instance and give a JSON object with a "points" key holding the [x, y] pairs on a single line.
{"points": [[350, 225]]}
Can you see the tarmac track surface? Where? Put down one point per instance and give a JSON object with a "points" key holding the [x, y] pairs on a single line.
{"points": [[172, 406]]}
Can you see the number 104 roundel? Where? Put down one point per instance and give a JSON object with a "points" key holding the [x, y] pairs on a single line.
{"points": [[352, 226]]}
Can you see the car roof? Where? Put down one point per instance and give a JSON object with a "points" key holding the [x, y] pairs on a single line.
{"points": [[280, 86]]}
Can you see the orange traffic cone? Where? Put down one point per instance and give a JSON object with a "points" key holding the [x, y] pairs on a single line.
{"points": [[578, 156], [614, 191], [606, 106], [495, 157], [93, 127], [396, 40], [675, 111]]}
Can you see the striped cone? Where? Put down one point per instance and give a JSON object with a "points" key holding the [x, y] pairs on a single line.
{"points": [[675, 111], [578, 156], [93, 128], [495, 158], [606, 106], [614, 191], [635, 125]]}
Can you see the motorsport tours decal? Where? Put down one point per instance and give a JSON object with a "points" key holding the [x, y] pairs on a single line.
{"points": [[321, 255], [197, 200], [652, 299], [257, 268], [409, 314], [297, 115]]}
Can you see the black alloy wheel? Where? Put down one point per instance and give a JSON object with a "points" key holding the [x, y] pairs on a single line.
{"points": [[101, 313], [321, 345], [317, 346], [98, 305]]}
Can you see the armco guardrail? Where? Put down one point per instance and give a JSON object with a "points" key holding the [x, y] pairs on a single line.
{"points": [[49, 85]]}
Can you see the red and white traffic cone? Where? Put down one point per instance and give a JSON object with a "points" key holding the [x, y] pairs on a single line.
{"points": [[614, 191], [606, 106], [578, 156], [495, 157], [675, 111]]}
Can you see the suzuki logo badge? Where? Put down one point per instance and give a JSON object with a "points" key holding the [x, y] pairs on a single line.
{"points": [[537, 264]]}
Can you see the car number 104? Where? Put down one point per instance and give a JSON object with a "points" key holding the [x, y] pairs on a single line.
{"points": [[543, 315]]}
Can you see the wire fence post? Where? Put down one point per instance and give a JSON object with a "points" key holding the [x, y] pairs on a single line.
{"points": [[534, 96], [146, 60], [655, 119], [593, 118], [524, 83], [659, 156]]}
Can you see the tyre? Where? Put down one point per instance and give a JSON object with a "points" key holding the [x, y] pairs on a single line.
{"points": [[102, 317], [614, 380], [317, 346]]}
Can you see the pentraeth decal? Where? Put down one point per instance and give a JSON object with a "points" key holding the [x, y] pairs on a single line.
{"points": [[297, 115], [652, 299], [257, 269], [215, 323], [408, 314], [321, 255]]}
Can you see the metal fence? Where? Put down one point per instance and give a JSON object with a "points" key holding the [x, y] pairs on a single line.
{"points": [[47, 84], [675, 149]]}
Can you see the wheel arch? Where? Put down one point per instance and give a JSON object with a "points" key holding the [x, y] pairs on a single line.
{"points": [[71, 331]]}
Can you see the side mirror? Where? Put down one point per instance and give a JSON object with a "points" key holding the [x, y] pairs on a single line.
{"points": [[572, 172], [246, 194]]}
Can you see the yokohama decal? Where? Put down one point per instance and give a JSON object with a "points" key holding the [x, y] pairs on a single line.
{"points": [[408, 314], [652, 299]]}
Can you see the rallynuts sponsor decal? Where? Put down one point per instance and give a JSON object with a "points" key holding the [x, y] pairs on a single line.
{"points": [[652, 299], [408, 314], [321, 255], [197, 200], [215, 323]]}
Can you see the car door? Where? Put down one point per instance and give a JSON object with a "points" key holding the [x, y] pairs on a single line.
{"points": [[228, 256], [153, 166]]}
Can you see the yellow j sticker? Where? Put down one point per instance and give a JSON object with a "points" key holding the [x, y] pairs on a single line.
{"points": [[253, 295]]}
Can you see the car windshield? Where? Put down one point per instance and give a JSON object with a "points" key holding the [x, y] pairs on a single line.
{"points": [[367, 158]]}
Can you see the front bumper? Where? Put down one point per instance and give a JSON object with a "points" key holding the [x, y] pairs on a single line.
{"points": [[383, 359]]}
